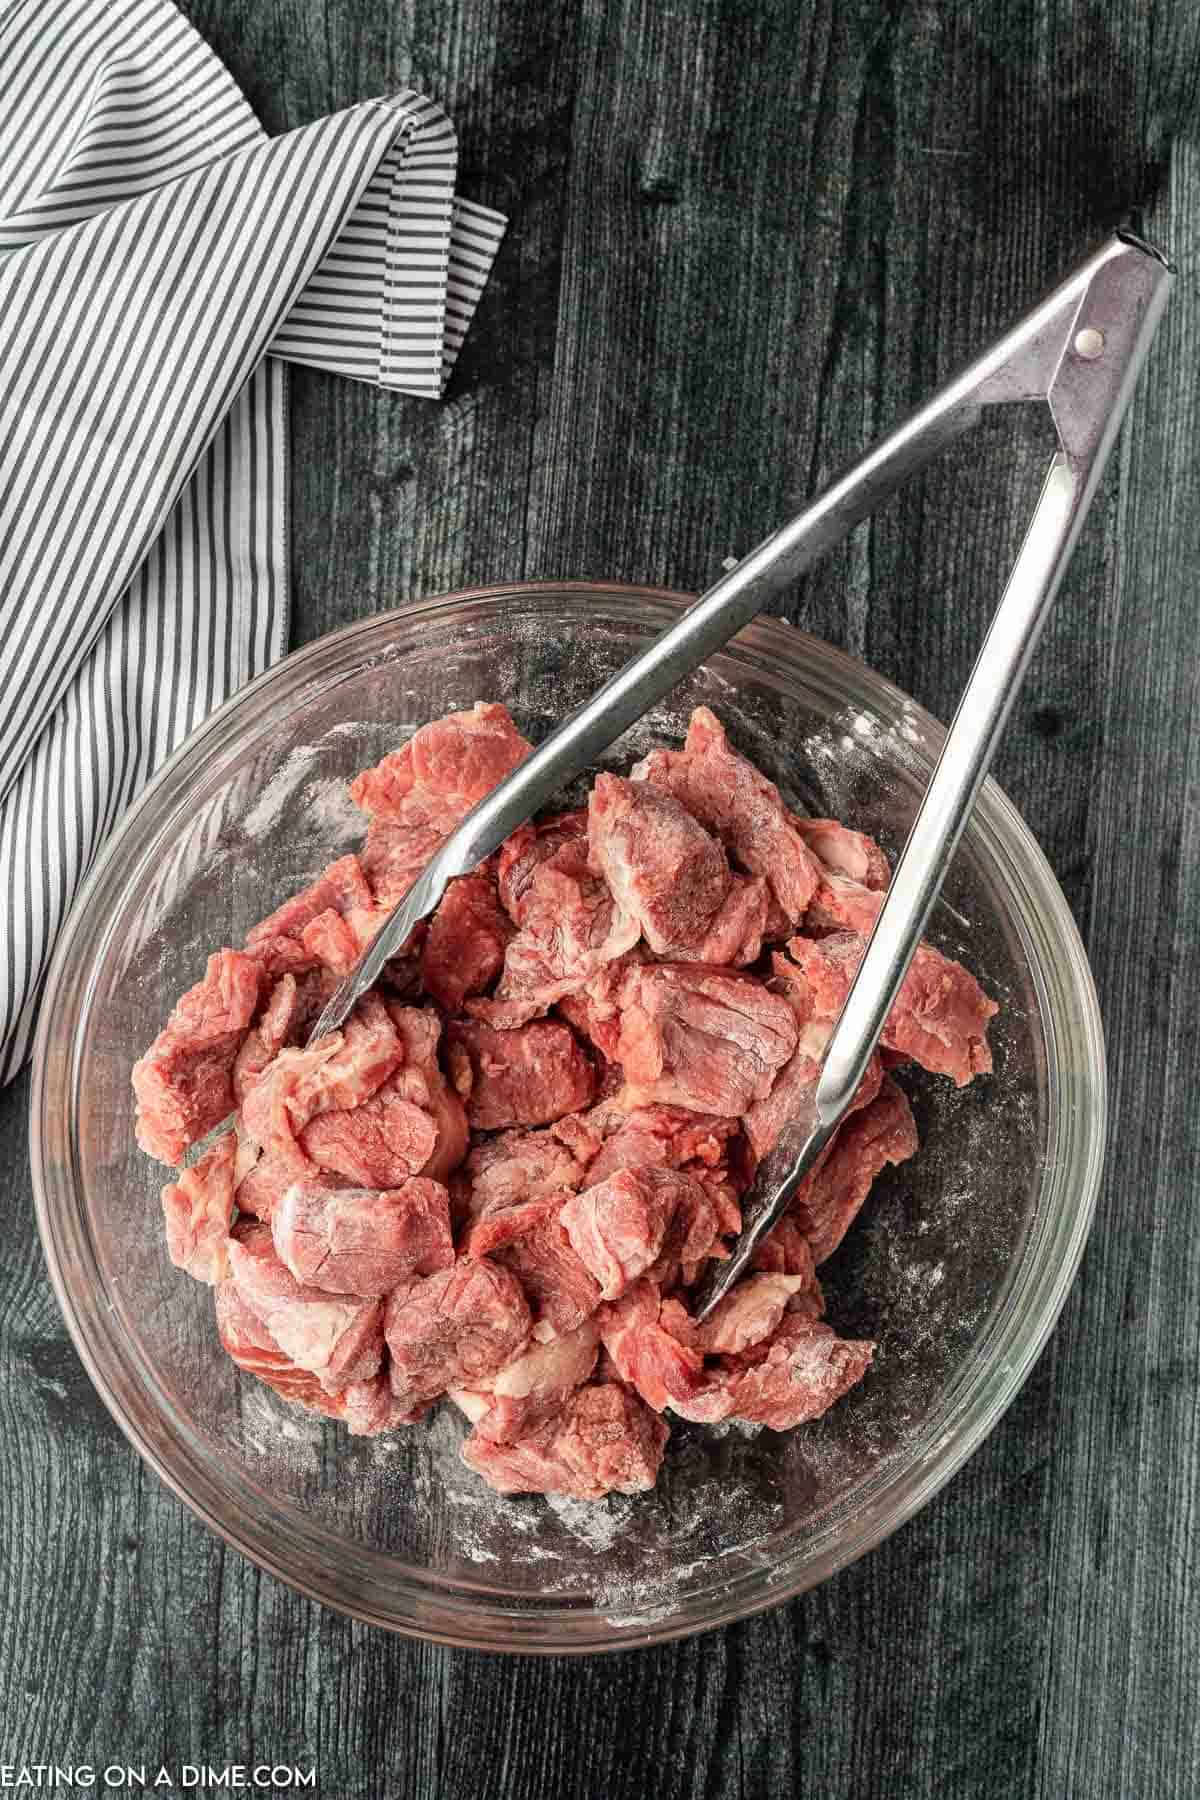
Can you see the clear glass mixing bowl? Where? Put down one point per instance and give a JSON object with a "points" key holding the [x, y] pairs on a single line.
{"points": [[958, 1266]]}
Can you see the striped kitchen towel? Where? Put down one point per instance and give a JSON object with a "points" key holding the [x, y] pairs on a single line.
{"points": [[160, 260]]}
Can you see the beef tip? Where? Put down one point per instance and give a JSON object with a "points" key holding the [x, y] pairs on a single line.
{"points": [[337, 1338], [525, 1077], [262, 1183], [378, 1144], [807, 1368], [414, 1123], [940, 1016], [355, 1242], [828, 1201], [737, 802], [278, 940], [198, 1211], [560, 1289], [839, 904], [841, 851], [617, 1227], [667, 1137], [338, 1072], [696, 1224], [533, 1386], [454, 1329], [793, 1087], [595, 1009], [644, 1352], [672, 877], [275, 1029], [365, 1407], [658, 860], [465, 945], [603, 1441], [419, 793], [422, 1082], [708, 1039], [571, 928], [786, 1251], [184, 1083], [527, 849], [750, 1312], [444, 769], [514, 1182]]}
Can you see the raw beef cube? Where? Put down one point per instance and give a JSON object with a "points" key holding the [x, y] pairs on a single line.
{"points": [[330, 942], [356, 1242], [264, 1182], [378, 1144], [661, 864], [444, 769], [419, 793], [667, 1137], [595, 1010], [184, 1082], [692, 1235], [839, 904], [750, 1312], [671, 877], [610, 1440], [514, 1182], [198, 1210], [736, 930], [338, 1072], [703, 1038], [734, 799], [364, 1407], [532, 1388], [341, 888], [465, 945], [525, 1077], [248, 1342], [394, 855], [527, 849], [806, 1369], [454, 1329], [274, 1030], [940, 1016], [603, 1441], [785, 1251], [571, 928], [337, 1338], [845, 852], [645, 1354], [422, 1082], [794, 1086], [618, 1226], [560, 1289], [828, 1201]]}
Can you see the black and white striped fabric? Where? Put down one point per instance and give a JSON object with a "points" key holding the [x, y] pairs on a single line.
{"points": [[160, 260]]}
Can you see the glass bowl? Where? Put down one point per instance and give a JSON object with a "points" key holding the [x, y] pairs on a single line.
{"points": [[958, 1265]]}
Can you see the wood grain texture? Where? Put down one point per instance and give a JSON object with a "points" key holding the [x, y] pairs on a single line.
{"points": [[744, 238]]}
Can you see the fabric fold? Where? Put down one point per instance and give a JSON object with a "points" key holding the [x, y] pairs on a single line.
{"points": [[158, 256]]}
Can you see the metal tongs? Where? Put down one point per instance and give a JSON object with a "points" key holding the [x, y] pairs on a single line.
{"points": [[1080, 350]]}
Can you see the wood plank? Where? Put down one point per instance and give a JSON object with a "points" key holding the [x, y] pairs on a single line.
{"points": [[743, 240]]}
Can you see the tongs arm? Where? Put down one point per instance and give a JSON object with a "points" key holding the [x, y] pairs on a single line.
{"points": [[1084, 359]]}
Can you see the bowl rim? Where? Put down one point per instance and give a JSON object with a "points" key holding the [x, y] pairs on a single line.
{"points": [[952, 1449]]}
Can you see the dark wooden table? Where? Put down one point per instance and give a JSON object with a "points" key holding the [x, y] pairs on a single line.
{"points": [[744, 238]]}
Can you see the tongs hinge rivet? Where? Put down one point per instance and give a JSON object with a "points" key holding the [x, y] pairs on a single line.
{"points": [[1089, 343]]}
